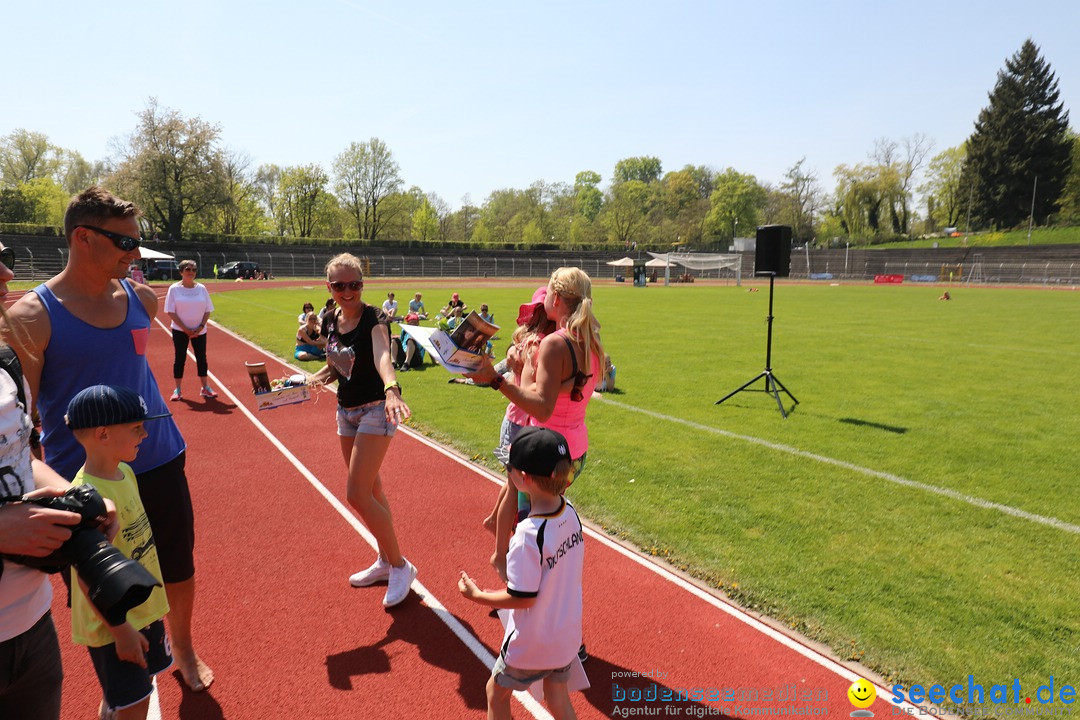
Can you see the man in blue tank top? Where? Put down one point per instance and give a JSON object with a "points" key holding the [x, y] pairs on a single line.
{"points": [[87, 326]]}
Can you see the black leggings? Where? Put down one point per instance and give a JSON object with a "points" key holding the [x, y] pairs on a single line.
{"points": [[198, 345]]}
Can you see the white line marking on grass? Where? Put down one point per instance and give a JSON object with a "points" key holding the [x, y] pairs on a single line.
{"points": [[953, 494], [470, 641]]}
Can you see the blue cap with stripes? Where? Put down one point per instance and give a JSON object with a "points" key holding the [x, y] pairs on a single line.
{"points": [[102, 405]]}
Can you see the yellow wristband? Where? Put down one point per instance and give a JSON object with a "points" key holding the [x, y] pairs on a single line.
{"points": [[387, 386]]}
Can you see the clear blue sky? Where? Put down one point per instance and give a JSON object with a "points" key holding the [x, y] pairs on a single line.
{"points": [[476, 96]]}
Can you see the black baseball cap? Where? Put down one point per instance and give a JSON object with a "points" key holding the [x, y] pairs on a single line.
{"points": [[102, 405], [536, 451]]}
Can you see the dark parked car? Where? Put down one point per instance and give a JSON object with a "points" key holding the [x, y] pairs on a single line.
{"points": [[238, 269], [161, 270]]}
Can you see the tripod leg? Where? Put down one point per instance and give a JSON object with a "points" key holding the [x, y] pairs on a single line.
{"points": [[770, 387], [742, 387], [777, 381]]}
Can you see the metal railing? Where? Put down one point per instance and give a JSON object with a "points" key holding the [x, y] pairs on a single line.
{"points": [[45, 263]]}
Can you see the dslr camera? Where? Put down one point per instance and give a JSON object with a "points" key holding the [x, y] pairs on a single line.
{"points": [[115, 583]]}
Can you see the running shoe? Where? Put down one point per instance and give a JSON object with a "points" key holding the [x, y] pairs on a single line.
{"points": [[400, 581], [379, 571], [208, 392], [175, 395]]}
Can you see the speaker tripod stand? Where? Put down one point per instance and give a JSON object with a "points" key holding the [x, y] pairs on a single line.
{"points": [[771, 381]]}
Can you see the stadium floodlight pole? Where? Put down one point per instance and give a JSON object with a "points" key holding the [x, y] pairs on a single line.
{"points": [[771, 381], [1031, 217]]}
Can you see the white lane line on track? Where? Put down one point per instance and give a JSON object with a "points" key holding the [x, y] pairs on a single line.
{"points": [[470, 641], [889, 477]]}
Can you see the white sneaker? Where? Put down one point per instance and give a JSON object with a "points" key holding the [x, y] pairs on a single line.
{"points": [[400, 581], [380, 570]]}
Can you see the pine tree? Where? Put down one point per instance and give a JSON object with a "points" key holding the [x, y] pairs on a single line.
{"points": [[1022, 135]]}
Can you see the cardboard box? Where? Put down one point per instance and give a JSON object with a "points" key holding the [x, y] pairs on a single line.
{"points": [[284, 396]]}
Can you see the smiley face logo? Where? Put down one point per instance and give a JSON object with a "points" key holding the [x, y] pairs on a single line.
{"points": [[861, 694]]}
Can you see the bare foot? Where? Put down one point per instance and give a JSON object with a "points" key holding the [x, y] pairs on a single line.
{"points": [[489, 523], [197, 675], [499, 563]]}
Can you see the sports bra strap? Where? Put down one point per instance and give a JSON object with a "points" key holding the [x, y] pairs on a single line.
{"points": [[573, 357]]}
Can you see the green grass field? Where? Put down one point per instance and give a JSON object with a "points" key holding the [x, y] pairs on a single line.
{"points": [[809, 519]]}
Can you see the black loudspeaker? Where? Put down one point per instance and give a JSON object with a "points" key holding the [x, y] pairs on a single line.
{"points": [[772, 255]]}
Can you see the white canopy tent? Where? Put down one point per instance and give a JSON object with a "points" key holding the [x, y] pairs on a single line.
{"points": [[623, 262], [147, 254], [658, 263], [698, 261]]}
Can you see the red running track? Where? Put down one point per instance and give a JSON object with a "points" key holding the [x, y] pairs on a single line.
{"points": [[288, 637]]}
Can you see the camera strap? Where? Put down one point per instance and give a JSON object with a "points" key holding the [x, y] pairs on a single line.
{"points": [[9, 361]]}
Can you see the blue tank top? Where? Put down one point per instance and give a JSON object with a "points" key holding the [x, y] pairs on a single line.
{"points": [[80, 355]]}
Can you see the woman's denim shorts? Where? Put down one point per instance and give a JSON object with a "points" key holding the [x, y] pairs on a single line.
{"points": [[367, 419]]}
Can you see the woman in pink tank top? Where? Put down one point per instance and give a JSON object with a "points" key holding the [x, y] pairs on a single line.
{"points": [[569, 362]]}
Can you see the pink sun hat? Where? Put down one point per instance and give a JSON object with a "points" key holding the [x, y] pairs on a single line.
{"points": [[527, 311]]}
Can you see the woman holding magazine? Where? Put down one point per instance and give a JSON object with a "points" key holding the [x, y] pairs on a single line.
{"points": [[369, 410], [568, 364]]}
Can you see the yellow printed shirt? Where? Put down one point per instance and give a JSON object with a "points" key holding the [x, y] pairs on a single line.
{"points": [[136, 540]]}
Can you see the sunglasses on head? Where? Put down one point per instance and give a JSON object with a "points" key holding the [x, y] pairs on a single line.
{"points": [[124, 242], [7, 257], [353, 285]]}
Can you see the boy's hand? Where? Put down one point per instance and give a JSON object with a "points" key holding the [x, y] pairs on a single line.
{"points": [[131, 645], [466, 586]]}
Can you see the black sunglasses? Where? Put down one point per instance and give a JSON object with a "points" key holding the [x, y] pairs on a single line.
{"points": [[124, 242], [353, 285], [7, 257]]}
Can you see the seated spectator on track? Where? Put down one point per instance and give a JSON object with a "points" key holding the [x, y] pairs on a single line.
{"points": [[413, 353], [302, 317], [327, 308], [543, 632], [416, 306], [454, 318], [325, 314], [607, 380], [455, 302], [389, 306], [310, 342]]}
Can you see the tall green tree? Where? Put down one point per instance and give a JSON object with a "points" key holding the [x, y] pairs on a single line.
{"points": [[26, 156], [1020, 136], [1070, 197], [425, 223], [736, 201], [944, 187], [365, 174], [625, 211], [587, 196], [645, 169], [801, 200], [266, 181], [75, 173], [171, 166], [301, 191]]}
